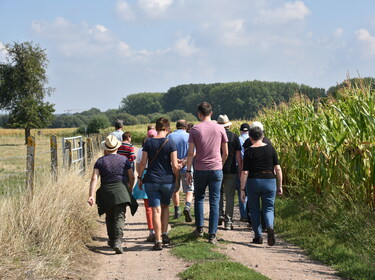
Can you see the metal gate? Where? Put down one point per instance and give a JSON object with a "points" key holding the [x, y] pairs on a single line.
{"points": [[73, 153]]}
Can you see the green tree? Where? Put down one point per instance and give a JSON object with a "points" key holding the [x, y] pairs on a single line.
{"points": [[142, 103], [23, 88], [96, 123]]}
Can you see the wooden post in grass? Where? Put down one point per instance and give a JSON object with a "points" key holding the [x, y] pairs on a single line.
{"points": [[83, 156], [53, 142], [90, 150], [68, 148], [30, 165]]}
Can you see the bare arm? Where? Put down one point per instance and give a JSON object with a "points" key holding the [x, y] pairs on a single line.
{"points": [[244, 175], [131, 179], [142, 167], [224, 152], [93, 183], [174, 163], [191, 153], [279, 178]]}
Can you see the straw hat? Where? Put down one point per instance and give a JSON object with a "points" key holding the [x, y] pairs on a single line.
{"points": [[223, 120], [111, 143]]}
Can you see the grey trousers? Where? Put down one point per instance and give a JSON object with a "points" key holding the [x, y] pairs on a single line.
{"points": [[228, 189]]}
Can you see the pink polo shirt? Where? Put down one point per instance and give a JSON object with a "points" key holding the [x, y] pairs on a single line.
{"points": [[207, 137]]}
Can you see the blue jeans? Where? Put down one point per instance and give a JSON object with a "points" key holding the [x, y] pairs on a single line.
{"points": [[212, 179], [158, 193], [242, 205], [264, 189]]}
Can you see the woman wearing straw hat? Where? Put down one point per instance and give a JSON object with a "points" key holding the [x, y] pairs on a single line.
{"points": [[116, 182]]}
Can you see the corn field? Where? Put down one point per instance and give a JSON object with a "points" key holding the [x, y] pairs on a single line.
{"points": [[327, 146]]}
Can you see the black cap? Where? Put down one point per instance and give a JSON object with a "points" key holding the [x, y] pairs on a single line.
{"points": [[245, 127]]}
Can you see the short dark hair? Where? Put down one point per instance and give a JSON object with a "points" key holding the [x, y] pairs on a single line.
{"points": [[204, 108], [118, 123], [126, 135], [162, 124], [150, 126], [255, 133], [190, 125], [181, 124]]}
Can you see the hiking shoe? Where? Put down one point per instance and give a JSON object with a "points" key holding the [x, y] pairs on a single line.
{"points": [[198, 232], [111, 242], [157, 247], [151, 238], [228, 225], [176, 215], [165, 239], [221, 220], [258, 240], [117, 247], [212, 239], [187, 214], [270, 236]]}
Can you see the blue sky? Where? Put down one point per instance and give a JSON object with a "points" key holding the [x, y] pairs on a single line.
{"points": [[99, 51]]}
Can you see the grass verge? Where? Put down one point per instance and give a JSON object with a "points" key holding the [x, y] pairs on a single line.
{"points": [[338, 234], [208, 262]]}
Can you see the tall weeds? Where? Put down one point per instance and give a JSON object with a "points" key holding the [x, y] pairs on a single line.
{"points": [[39, 238]]}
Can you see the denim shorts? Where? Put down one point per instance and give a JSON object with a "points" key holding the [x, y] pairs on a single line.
{"points": [[158, 193]]}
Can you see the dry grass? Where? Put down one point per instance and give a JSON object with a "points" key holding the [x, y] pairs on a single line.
{"points": [[40, 238], [13, 155]]}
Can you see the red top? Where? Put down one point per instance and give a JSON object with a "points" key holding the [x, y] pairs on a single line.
{"points": [[127, 150]]}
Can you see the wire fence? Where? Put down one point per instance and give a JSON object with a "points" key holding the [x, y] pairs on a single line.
{"points": [[74, 152]]}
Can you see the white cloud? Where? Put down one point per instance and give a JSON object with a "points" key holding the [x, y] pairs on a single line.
{"points": [[364, 36], [233, 33], [155, 7], [185, 46], [124, 10], [76, 39], [290, 11], [338, 32]]}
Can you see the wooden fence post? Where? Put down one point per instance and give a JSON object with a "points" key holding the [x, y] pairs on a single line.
{"points": [[69, 158], [53, 142], [90, 152], [83, 156], [30, 165]]}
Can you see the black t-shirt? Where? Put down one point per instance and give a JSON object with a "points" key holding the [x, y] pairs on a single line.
{"points": [[260, 162], [248, 143], [234, 145], [160, 170]]}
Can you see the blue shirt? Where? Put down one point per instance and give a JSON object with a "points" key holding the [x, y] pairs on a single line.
{"points": [[243, 138], [113, 168], [118, 133], [180, 137], [160, 170]]}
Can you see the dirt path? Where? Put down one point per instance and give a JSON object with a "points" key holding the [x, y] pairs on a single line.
{"points": [[282, 261], [138, 260]]}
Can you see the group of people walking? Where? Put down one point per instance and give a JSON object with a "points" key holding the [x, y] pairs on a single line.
{"points": [[209, 155]]}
